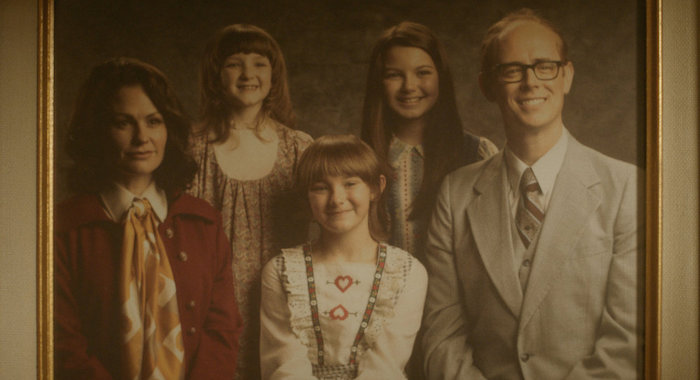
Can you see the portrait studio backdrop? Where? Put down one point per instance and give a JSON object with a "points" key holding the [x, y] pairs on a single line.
{"points": [[327, 46]]}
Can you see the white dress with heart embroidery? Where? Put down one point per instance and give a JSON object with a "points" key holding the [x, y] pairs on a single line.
{"points": [[289, 349]]}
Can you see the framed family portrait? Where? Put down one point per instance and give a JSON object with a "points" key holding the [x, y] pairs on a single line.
{"points": [[613, 105]]}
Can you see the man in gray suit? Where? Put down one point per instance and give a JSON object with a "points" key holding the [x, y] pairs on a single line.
{"points": [[532, 254]]}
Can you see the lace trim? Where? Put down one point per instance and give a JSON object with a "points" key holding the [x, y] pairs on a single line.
{"points": [[334, 372], [293, 273], [396, 270]]}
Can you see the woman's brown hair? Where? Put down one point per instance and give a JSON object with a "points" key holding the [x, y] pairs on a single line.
{"points": [[88, 142]]}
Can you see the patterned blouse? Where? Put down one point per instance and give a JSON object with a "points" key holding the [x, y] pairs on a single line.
{"points": [[407, 162], [340, 320], [256, 218]]}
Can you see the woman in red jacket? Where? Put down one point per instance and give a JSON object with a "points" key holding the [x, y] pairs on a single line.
{"points": [[143, 283]]}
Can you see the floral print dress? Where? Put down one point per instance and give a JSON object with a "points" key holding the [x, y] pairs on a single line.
{"points": [[258, 218]]}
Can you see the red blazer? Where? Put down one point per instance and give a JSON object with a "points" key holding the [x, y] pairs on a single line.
{"points": [[87, 311]]}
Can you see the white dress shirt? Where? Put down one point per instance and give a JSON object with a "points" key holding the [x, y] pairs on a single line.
{"points": [[117, 200]]}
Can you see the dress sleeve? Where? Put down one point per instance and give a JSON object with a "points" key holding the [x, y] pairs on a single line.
{"points": [[218, 349], [387, 359], [282, 355]]}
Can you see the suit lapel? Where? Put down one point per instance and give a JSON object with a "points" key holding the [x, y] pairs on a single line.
{"points": [[486, 214], [575, 197]]}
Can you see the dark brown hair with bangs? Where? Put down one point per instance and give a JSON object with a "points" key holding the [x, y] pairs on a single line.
{"points": [[345, 155], [443, 139], [241, 38]]}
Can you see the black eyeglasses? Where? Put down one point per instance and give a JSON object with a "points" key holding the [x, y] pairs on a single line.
{"points": [[515, 72]]}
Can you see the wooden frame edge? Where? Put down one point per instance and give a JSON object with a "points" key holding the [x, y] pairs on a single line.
{"points": [[45, 137], [654, 144]]}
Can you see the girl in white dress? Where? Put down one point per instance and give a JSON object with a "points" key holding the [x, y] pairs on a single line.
{"points": [[347, 305]]}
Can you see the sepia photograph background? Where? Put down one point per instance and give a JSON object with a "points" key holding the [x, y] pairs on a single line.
{"points": [[327, 44]]}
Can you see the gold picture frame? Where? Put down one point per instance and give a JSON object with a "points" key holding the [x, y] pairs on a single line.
{"points": [[653, 153]]}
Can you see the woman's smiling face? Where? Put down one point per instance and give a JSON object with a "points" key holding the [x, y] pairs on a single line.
{"points": [[138, 135], [411, 82]]}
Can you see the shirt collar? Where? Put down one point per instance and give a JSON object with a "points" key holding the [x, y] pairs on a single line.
{"points": [[546, 168], [117, 201], [397, 148]]}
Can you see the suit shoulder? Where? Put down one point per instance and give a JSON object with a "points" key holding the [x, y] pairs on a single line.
{"points": [[468, 174], [611, 168]]}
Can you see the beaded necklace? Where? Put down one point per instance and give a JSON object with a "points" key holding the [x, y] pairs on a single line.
{"points": [[381, 260]]}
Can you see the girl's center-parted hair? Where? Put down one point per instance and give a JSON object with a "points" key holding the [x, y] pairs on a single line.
{"points": [[443, 140], [89, 145], [215, 107], [348, 156]]}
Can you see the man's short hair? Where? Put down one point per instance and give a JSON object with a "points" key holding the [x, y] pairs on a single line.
{"points": [[507, 23]]}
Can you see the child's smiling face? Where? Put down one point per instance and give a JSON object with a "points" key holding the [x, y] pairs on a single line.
{"points": [[411, 82], [246, 79], [340, 204]]}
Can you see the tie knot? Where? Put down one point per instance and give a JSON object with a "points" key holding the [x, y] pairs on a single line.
{"points": [[528, 182]]}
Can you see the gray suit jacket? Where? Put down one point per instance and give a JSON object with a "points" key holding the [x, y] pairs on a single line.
{"points": [[578, 317]]}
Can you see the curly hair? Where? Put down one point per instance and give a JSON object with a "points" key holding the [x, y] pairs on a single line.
{"points": [[88, 143]]}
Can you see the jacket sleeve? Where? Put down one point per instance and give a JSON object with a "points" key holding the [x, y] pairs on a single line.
{"points": [[73, 358], [218, 348], [448, 354], [617, 347]]}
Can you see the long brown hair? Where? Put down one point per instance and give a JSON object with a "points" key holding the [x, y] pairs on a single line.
{"points": [[241, 38], [443, 136], [345, 155]]}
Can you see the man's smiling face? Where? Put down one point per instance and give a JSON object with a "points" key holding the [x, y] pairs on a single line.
{"points": [[531, 104]]}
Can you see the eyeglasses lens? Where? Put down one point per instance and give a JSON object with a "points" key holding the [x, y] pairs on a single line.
{"points": [[516, 72]]}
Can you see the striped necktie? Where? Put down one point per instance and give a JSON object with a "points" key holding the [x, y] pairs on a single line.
{"points": [[529, 216]]}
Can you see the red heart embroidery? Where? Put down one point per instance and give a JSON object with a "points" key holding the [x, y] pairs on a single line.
{"points": [[343, 282], [339, 312]]}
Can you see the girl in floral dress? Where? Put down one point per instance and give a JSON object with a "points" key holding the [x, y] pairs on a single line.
{"points": [[347, 305], [247, 152]]}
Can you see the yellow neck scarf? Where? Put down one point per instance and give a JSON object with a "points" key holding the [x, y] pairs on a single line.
{"points": [[152, 333]]}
